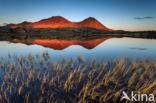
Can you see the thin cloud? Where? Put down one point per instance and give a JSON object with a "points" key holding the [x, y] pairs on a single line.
{"points": [[143, 18], [148, 17]]}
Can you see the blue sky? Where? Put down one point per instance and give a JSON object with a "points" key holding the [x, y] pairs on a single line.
{"points": [[115, 14]]}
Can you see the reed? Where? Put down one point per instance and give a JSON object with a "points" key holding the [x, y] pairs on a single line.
{"points": [[38, 79]]}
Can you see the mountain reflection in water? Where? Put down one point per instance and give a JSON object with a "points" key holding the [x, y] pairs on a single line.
{"points": [[62, 44]]}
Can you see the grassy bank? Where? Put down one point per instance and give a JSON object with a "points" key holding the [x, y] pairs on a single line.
{"points": [[38, 79]]}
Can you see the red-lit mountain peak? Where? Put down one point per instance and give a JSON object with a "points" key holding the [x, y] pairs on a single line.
{"points": [[60, 22], [54, 19], [93, 23]]}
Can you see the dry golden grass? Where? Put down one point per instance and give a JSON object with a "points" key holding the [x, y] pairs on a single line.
{"points": [[40, 80]]}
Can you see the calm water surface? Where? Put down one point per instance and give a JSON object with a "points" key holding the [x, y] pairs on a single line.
{"points": [[107, 49]]}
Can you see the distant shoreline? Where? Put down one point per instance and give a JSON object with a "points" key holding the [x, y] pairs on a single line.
{"points": [[69, 33]]}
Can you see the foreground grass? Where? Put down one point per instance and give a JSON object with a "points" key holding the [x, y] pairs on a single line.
{"points": [[36, 79]]}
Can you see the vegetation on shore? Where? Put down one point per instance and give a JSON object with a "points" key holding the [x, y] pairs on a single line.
{"points": [[77, 33], [39, 79]]}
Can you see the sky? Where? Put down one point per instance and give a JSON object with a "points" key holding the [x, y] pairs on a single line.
{"points": [[129, 15]]}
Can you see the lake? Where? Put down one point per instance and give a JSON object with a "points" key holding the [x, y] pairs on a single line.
{"points": [[40, 79], [101, 49]]}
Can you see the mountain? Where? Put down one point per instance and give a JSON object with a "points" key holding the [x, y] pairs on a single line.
{"points": [[60, 22], [62, 44], [92, 23], [23, 24]]}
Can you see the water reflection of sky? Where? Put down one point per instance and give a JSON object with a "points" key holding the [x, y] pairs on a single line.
{"points": [[111, 48]]}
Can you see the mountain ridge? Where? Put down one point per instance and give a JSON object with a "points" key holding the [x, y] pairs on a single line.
{"points": [[61, 22]]}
